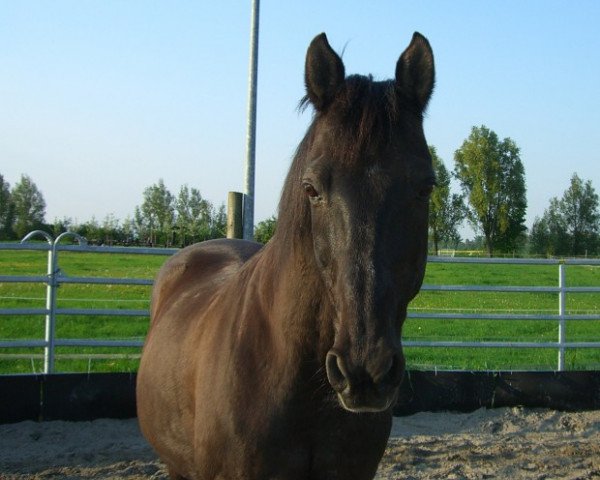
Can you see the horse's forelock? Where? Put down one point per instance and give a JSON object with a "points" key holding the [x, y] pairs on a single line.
{"points": [[363, 117]]}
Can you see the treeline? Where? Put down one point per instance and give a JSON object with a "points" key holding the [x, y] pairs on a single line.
{"points": [[491, 198], [22, 208], [162, 219]]}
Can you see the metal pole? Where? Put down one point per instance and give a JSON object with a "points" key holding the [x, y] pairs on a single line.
{"points": [[53, 282], [251, 132], [50, 330], [562, 308], [50, 299]]}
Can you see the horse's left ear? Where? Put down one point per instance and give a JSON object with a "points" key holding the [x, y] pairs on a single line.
{"points": [[324, 72], [415, 71]]}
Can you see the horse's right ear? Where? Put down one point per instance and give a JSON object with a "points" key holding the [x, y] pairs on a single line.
{"points": [[324, 72]]}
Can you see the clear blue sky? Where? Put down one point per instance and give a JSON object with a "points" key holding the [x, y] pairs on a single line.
{"points": [[99, 100]]}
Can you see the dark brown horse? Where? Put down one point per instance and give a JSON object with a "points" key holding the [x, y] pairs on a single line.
{"points": [[284, 362]]}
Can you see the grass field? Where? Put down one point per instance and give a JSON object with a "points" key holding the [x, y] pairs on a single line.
{"points": [[69, 359]]}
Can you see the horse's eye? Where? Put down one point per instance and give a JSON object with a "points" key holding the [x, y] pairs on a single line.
{"points": [[310, 190]]}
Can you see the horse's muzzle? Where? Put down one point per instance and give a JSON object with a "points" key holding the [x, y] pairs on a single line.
{"points": [[370, 388]]}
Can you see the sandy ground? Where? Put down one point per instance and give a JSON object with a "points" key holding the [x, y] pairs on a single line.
{"points": [[504, 443]]}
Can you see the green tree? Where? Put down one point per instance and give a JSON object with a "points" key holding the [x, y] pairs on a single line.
{"points": [[110, 229], [128, 230], [29, 206], [493, 179], [184, 215], [218, 223], [91, 230], [62, 225], [265, 230], [579, 208], [7, 210], [193, 216], [140, 228], [158, 213], [446, 211], [539, 237], [570, 225]]}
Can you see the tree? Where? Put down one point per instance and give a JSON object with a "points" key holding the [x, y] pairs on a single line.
{"points": [[158, 213], [579, 209], [62, 225], [128, 230], [7, 210], [493, 179], [110, 230], [512, 235], [265, 230], [29, 206], [140, 228], [91, 231], [184, 215], [446, 211], [570, 225], [193, 216], [218, 223], [539, 238]]}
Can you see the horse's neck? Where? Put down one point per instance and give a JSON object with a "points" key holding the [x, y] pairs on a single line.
{"points": [[298, 306]]}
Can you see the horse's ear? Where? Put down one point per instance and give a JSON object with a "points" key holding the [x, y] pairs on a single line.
{"points": [[415, 71], [324, 72]]}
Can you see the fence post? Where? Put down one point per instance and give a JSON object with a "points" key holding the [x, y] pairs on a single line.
{"points": [[50, 330], [50, 299], [235, 225], [562, 308], [53, 282], [51, 285]]}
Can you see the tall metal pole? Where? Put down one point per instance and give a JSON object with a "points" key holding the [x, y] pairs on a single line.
{"points": [[251, 133]]}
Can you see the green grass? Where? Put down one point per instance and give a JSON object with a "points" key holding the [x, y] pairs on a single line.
{"points": [[502, 330], [69, 359], [29, 295]]}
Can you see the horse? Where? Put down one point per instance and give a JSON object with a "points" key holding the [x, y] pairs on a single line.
{"points": [[284, 361]]}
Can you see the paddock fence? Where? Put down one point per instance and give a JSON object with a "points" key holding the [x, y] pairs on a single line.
{"points": [[561, 315], [55, 277]]}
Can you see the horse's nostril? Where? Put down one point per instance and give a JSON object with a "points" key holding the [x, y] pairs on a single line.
{"points": [[391, 372], [336, 372]]}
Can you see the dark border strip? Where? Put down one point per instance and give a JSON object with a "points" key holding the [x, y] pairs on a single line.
{"points": [[468, 391], [79, 397], [72, 397]]}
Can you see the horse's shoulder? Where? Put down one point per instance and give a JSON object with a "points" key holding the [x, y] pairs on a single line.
{"points": [[201, 267]]}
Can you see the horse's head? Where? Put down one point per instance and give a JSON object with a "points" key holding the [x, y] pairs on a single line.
{"points": [[366, 178]]}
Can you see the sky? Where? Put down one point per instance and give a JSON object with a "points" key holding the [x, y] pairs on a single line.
{"points": [[99, 100]]}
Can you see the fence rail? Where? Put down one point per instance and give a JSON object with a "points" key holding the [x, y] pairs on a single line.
{"points": [[55, 278], [561, 315]]}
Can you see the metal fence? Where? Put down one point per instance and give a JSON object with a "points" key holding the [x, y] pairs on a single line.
{"points": [[54, 278], [561, 316]]}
